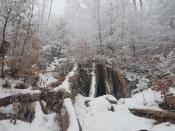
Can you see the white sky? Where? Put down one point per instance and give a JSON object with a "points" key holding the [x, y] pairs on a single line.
{"points": [[58, 6]]}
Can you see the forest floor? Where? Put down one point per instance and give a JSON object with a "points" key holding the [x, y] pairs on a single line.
{"points": [[98, 116], [94, 114]]}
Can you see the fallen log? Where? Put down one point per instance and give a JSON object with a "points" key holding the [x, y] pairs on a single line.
{"points": [[159, 116], [51, 98], [69, 119]]}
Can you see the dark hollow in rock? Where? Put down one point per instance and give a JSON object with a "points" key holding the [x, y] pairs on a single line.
{"points": [[101, 81]]}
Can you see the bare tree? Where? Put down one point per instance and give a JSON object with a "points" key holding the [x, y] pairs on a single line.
{"points": [[5, 13], [96, 9], [141, 4], [99, 24], [50, 10], [17, 16], [28, 27], [124, 4], [44, 4]]}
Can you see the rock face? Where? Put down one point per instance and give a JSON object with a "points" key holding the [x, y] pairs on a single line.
{"points": [[111, 81], [120, 87]]}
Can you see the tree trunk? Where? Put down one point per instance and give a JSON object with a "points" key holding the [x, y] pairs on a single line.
{"points": [[50, 10], [44, 4], [3, 47]]}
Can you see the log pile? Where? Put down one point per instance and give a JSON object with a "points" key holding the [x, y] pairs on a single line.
{"points": [[53, 98]]}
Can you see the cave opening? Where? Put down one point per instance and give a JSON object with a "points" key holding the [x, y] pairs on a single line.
{"points": [[101, 90]]}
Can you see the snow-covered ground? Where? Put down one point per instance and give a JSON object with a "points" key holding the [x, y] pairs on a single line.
{"points": [[12, 91], [104, 113], [41, 122], [99, 117], [98, 114]]}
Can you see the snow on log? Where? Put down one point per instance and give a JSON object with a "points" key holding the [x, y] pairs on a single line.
{"points": [[92, 92], [70, 82], [73, 120], [160, 116]]}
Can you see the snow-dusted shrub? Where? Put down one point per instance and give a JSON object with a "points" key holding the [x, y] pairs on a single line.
{"points": [[83, 52], [157, 59], [164, 84]]}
